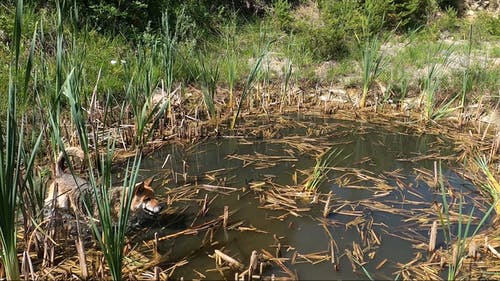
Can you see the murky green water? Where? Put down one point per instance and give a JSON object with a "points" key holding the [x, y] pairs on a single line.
{"points": [[393, 161]]}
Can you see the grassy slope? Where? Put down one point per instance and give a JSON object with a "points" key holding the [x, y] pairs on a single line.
{"points": [[407, 55]]}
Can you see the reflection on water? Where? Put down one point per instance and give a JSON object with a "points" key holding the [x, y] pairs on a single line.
{"points": [[385, 171]]}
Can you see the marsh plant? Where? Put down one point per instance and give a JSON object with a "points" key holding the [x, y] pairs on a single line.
{"points": [[371, 65], [459, 241], [169, 42], [10, 172], [209, 77], [110, 235], [491, 186], [437, 61], [322, 168], [141, 90], [247, 88], [466, 72], [16, 167], [231, 59]]}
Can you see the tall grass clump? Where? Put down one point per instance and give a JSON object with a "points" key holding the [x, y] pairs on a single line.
{"points": [[169, 41], [10, 164], [491, 186], [464, 227], [110, 235], [371, 65], [432, 81], [146, 109], [231, 58], [466, 72], [209, 76], [372, 59], [13, 157], [321, 169], [247, 88]]}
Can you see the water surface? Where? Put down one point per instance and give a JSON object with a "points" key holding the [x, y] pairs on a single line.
{"points": [[383, 188]]}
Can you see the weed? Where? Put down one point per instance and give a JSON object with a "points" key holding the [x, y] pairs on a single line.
{"points": [[321, 169]]}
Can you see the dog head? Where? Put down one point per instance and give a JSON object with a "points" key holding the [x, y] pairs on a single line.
{"points": [[144, 198]]}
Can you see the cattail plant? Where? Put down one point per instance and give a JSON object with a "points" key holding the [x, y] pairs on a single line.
{"points": [[13, 158], [248, 85], [231, 59], [321, 169], [432, 81], [372, 59], [139, 93], [209, 76], [371, 65], [464, 223], [110, 236]]}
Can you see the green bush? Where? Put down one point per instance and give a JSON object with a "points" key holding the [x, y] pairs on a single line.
{"points": [[282, 16], [133, 17], [448, 21], [326, 43], [411, 14], [343, 22], [487, 23]]}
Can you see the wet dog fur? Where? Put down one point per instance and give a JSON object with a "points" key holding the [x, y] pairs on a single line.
{"points": [[67, 190]]}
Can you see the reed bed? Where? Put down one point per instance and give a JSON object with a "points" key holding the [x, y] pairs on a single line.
{"points": [[192, 203]]}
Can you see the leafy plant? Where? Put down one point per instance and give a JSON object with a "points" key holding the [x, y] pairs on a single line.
{"points": [[282, 14], [231, 58], [432, 81], [110, 236], [372, 65], [463, 229], [13, 158], [248, 85], [209, 76], [321, 169]]}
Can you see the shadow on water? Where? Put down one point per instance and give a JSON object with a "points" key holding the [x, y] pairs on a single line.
{"points": [[384, 200]]}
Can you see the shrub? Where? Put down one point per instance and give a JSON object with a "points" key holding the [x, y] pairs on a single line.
{"points": [[281, 15], [487, 23]]}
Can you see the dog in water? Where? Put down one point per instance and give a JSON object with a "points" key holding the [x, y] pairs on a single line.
{"points": [[74, 192]]}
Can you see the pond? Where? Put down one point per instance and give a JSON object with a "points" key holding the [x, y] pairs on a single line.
{"points": [[384, 198]]}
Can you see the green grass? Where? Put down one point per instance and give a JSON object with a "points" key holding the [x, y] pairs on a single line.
{"points": [[14, 159], [94, 52], [459, 241], [372, 63], [209, 78], [321, 169], [110, 235]]}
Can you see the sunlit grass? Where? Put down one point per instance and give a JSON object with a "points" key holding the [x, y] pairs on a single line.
{"points": [[110, 235], [322, 168], [459, 242], [247, 89], [432, 81], [209, 78], [16, 165], [371, 64]]}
